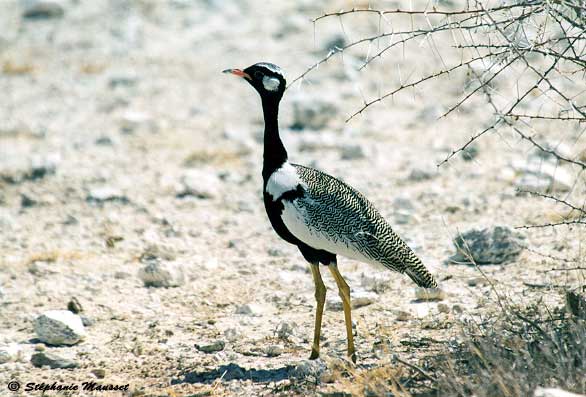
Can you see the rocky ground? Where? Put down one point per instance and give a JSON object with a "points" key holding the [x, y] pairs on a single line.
{"points": [[130, 193]]}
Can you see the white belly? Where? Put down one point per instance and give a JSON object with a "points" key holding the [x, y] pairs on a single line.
{"points": [[294, 218]]}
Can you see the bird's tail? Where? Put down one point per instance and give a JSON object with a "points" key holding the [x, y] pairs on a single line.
{"points": [[417, 271]]}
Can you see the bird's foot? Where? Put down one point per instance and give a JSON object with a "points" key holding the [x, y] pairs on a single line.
{"points": [[314, 354]]}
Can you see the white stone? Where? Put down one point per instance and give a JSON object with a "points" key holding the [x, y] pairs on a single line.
{"points": [[274, 350], [352, 152], [101, 194], [252, 309], [199, 183], [429, 294], [308, 369], [358, 299], [133, 120], [312, 113], [554, 392], [59, 327], [168, 274], [538, 174], [10, 352], [232, 334], [285, 330], [375, 282]]}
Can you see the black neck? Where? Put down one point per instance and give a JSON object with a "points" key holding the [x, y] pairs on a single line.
{"points": [[274, 151]]}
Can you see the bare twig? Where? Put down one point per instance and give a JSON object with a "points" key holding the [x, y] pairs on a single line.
{"points": [[556, 199], [553, 224], [418, 369]]}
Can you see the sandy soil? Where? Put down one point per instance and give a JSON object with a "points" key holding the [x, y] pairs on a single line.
{"points": [[128, 96]]}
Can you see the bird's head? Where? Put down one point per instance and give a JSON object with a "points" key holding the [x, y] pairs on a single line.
{"points": [[266, 78]]}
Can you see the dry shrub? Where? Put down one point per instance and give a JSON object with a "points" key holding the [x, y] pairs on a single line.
{"points": [[509, 356], [524, 63], [514, 354]]}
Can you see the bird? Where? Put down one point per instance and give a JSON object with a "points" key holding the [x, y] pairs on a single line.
{"points": [[320, 214]]}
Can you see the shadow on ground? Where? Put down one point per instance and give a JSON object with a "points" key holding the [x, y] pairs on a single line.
{"points": [[235, 372]]}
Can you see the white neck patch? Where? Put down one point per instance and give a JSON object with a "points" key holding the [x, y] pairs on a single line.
{"points": [[271, 83], [282, 180]]}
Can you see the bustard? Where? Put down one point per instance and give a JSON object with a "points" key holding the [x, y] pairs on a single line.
{"points": [[320, 214]]}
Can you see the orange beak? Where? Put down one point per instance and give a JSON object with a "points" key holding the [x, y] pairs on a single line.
{"points": [[238, 73]]}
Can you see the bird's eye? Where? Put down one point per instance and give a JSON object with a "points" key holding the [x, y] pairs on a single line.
{"points": [[258, 75]]}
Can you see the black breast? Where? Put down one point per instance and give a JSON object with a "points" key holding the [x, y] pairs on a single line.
{"points": [[275, 208]]}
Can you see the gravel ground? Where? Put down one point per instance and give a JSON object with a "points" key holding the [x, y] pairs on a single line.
{"points": [[122, 147]]}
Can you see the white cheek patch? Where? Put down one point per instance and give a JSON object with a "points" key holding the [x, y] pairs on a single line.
{"points": [[271, 83], [282, 180]]}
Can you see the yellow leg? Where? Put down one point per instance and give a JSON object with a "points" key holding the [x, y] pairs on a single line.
{"points": [[320, 297], [345, 295]]}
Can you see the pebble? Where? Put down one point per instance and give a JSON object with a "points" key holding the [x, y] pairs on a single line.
{"points": [[561, 149], [242, 137], [38, 9], [312, 113], [120, 275], [59, 327], [537, 174], [212, 347], [123, 80], [470, 153], [494, 245], [429, 294], [274, 350], [16, 170], [403, 203], [285, 330], [158, 251], [250, 309], [104, 141], [319, 142], [375, 282], [9, 352], [244, 309], [554, 392], [420, 174], [402, 315], [135, 120], [358, 299], [308, 369], [162, 275], [335, 43], [200, 184], [276, 252], [403, 211], [473, 282], [27, 201], [232, 334], [329, 376], [87, 321], [52, 360], [430, 113], [74, 306], [352, 152], [443, 308], [99, 373], [102, 194]]}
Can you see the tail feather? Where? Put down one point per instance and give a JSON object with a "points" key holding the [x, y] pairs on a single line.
{"points": [[418, 272], [421, 277]]}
